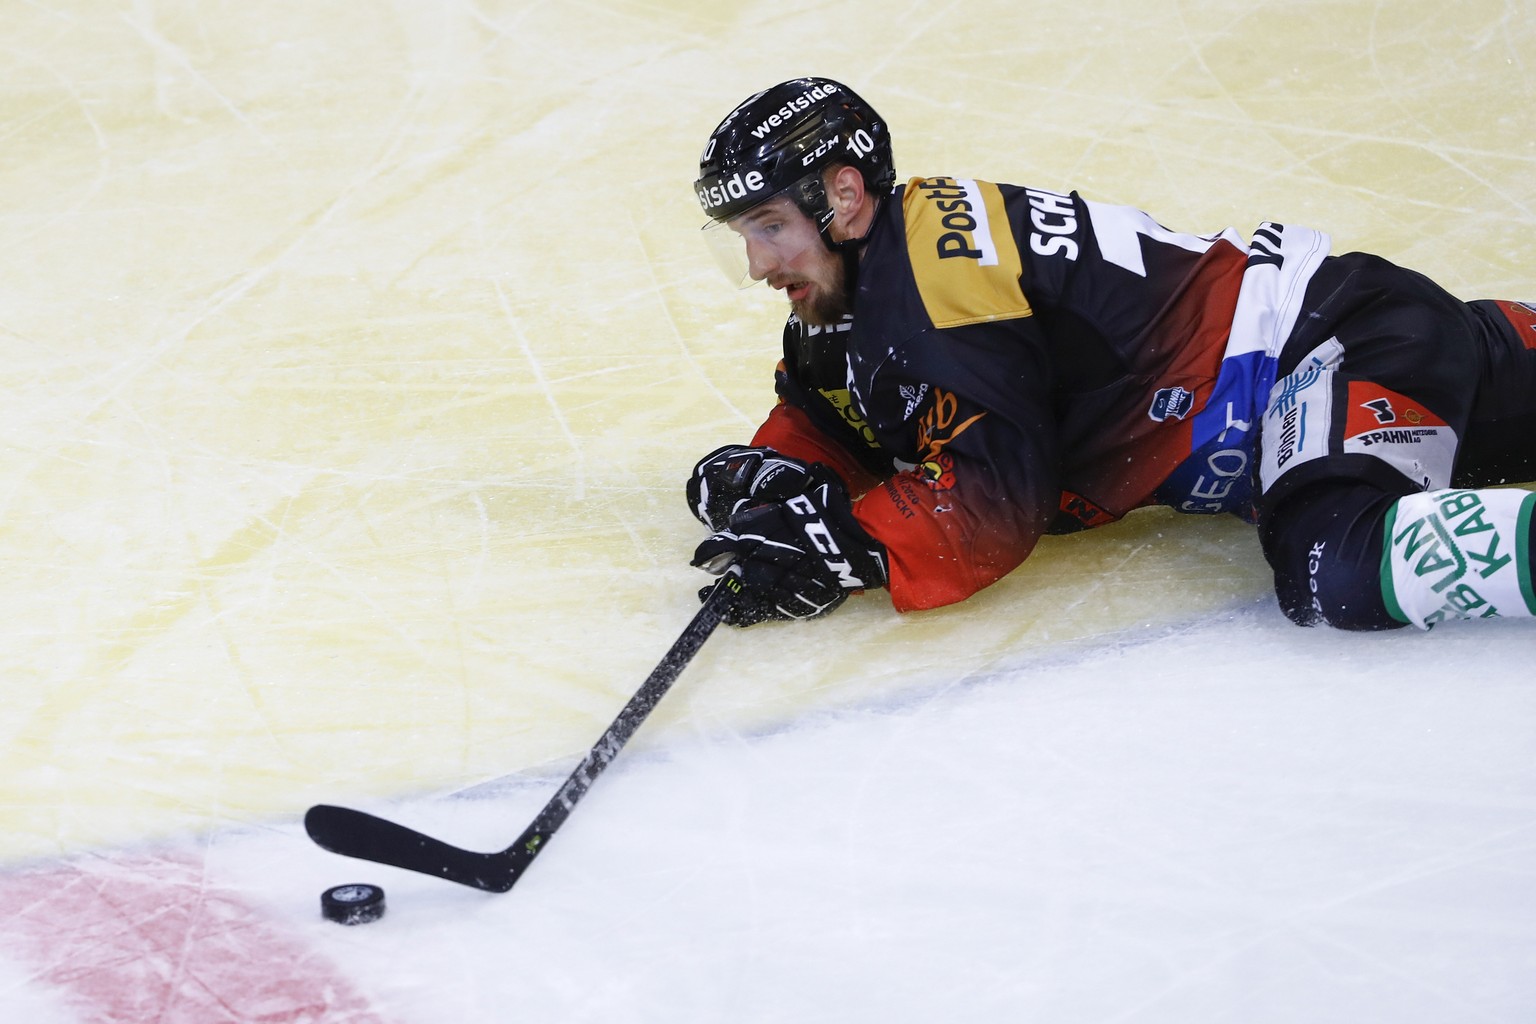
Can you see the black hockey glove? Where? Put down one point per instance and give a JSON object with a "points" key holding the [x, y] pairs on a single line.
{"points": [[731, 478], [799, 558]]}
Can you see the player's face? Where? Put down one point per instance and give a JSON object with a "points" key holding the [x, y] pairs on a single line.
{"points": [[784, 249]]}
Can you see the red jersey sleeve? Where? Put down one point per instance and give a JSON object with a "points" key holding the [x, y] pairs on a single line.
{"points": [[789, 431], [974, 409]]}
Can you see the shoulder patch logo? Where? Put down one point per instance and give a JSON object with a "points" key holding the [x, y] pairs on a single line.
{"points": [[1175, 402]]}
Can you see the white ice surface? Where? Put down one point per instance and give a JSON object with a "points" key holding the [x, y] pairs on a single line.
{"points": [[352, 356], [1234, 821]]}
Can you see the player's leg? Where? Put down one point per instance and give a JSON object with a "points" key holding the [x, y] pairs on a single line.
{"points": [[1459, 554], [1362, 448], [1349, 555], [1468, 552], [1500, 443], [1324, 543]]}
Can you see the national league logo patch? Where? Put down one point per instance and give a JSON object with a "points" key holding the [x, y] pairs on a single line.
{"points": [[1175, 402]]}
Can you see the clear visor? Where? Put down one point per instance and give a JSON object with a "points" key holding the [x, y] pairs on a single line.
{"points": [[753, 245]]}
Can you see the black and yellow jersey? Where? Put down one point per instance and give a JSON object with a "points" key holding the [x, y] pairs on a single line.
{"points": [[1021, 361]]}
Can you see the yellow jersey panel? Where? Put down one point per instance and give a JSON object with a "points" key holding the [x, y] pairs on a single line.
{"points": [[966, 273]]}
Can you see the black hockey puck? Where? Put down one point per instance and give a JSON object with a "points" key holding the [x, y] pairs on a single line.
{"points": [[352, 904]]}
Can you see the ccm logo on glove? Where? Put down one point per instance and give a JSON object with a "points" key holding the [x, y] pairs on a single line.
{"points": [[821, 539], [800, 556]]}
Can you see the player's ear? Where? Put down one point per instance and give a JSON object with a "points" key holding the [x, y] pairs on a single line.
{"points": [[845, 192]]}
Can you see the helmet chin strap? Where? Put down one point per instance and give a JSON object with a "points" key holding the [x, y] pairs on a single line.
{"points": [[811, 197], [849, 249]]}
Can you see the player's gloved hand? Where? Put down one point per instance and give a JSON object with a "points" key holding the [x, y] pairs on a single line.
{"points": [[799, 558], [735, 476]]}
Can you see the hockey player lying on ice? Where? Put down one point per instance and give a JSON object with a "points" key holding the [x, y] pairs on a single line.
{"points": [[968, 366]]}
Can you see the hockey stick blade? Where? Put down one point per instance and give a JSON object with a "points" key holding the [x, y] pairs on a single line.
{"points": [[359, 834], [365, 836]]}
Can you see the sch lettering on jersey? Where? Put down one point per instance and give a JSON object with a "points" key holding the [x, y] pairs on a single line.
{"points": [[1053, 220], [966, 273]]}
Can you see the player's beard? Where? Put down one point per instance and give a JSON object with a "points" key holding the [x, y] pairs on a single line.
{"points": [[829, 302]]}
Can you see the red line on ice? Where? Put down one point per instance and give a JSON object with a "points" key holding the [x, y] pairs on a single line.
{"points": [[137, 939]]}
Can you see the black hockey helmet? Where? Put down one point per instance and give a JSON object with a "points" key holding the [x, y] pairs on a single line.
{"points": [[781, 139]]}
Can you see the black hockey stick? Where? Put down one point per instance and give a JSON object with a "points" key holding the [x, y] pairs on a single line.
{"points": [[358, 834]]}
